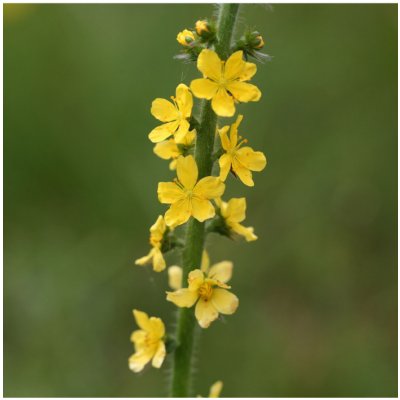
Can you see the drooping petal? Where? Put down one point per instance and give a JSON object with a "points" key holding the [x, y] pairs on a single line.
{"points": [[236, 210], [157, 327], [234, 66], [139, 360], [223, 134], [145, 259], [209, 187], [158, 227], [167, 149], [195, 279], [164, 110], [210, 64], [224, 301], [184, 100], [243, 173], [183, 130], [142, 319], [175, 274], [169, 192], [247, 233], [222, 103], [205, 262], [205, 313], [179, 212], [186, 169], [243, 91], [248, 71], [163, 132], [158, 260], [183, 297], [159, 355], [202, 209], [215, 389], [253, 160], [221, 271], [203, 88]]}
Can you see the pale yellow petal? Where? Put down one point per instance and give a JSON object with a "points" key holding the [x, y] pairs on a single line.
{"points": [[243, 173], [169, 192], [159, 356], [233, 134], [184, 99], [167, 149], [183, 130], [175, 274], [183, 297], [186, 169], [222, 103], [158, 260], [189, 138], [243, 91], [138, 337], [236, 210], [203, 88], [221, 271], [205, 313], [210, 64], [234, 66], [164, 110], [178, 213], [247, 233], [248, 71], [205, 262], [163, 132], [146, 259], [202, 209], [195, 279], [159, 226], [215, 389], [139, 360], [142, 319], [225, 163], [224, 301], [253, 160], [172, 165], [157, 327], [209, 187], [223, 134]]}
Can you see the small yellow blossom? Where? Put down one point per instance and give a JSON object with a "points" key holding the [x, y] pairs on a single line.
{"points": [[185, 37], [241, 160], [225, 82], [157, 231], [175, 115], [148, 341], [234, 212], [169, 149], [201, 26], [187, 196], [208, 289], [215, 389], [175, 277]]}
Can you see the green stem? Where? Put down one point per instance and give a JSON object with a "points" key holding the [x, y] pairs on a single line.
{"points": [[195, 233]]}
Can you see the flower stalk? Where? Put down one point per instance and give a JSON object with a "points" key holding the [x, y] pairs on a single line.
{"points": [[195, 233]]}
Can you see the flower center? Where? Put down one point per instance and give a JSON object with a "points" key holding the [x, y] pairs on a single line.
{"points": [[205, 291]]}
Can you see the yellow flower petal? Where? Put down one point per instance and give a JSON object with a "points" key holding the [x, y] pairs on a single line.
{"points": [[183, 130], [157, 327], [169, 192], [209, 187], [175, 274], [186, 169], [225, 163], [223, 104], [164, 110], [195, 279], [216, 389], [205, 313], [224, 301], [159, 356], [243, 91], [243, 173], [178, 213], [233, 134], [138, 360], [158, 260], [247, 233], [236, 210], [248, 72], [253, 160], [205, 262], [184, 99], [183, 297], [221, 271], [167, 149], [138, 337], [202, 209], [142, 319], [203, 88], [146, 259], [210, 64], [163, 132], [225, 141], [234, 66]]}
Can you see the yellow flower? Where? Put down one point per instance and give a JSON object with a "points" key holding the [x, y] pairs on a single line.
{"points": [[201, 26], [185, 37], [175, 277], [241, 160], [175, 115], [208, 289], [215, 389], [187, 196], [169, 149], [157, 232], [224, 82], [234, 212], [148, 341]]}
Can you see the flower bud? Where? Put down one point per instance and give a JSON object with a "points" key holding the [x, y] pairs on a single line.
{"points": [[202, 26], [258, 42], [185, 37]]}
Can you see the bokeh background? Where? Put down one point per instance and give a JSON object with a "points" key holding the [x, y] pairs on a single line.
{"points": [[318, 290]]}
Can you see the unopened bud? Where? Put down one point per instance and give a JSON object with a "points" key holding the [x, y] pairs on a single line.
{"points": [[258, 42], [185, 37], [202, 26]]}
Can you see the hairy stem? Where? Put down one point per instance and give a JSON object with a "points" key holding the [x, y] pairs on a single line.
{"points": [[195, 233]]}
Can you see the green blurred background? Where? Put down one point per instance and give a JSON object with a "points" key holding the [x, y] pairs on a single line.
{"points": [[318, 291]]}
